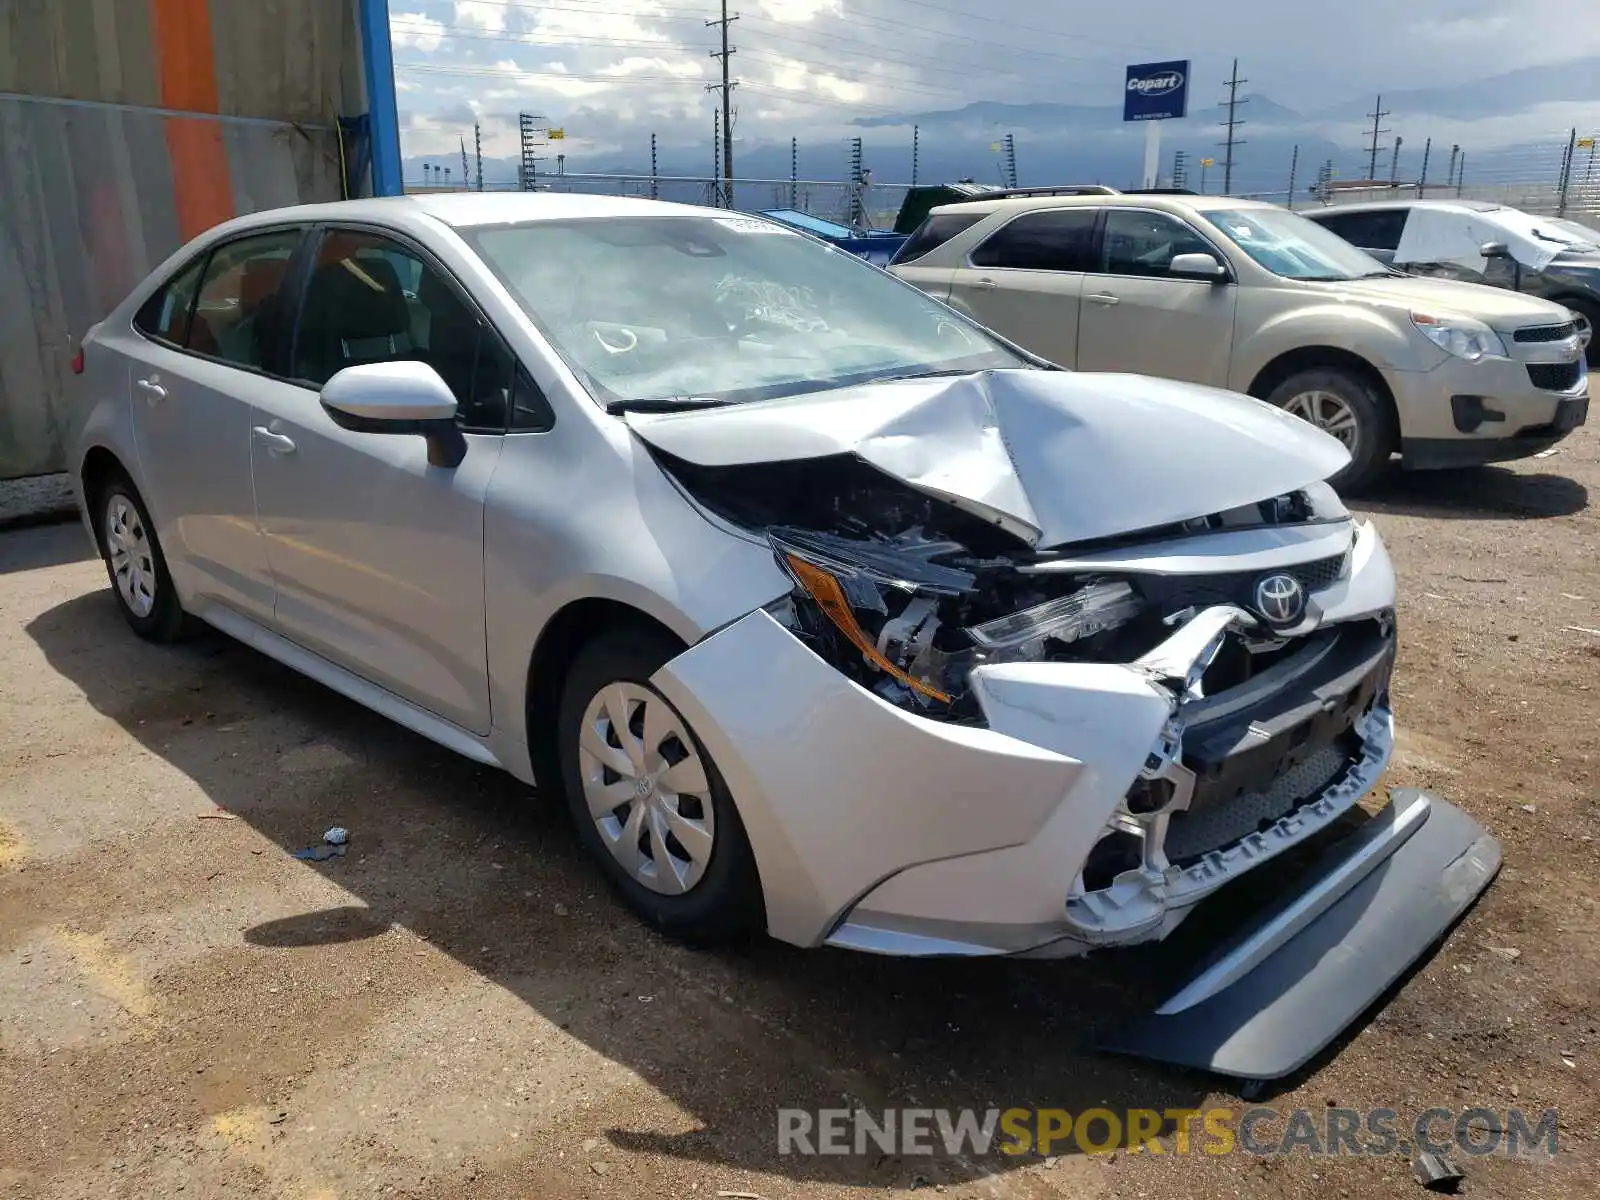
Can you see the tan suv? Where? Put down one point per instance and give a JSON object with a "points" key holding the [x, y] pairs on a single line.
{"points": [[1254, 298]]}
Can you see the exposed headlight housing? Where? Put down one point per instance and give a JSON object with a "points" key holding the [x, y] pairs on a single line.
{"points": [[1460, 336], [899, 623]]}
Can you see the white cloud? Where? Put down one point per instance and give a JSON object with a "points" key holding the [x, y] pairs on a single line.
{"points": [[637, 66], [475, 14], [800, 11], [415, 31]]}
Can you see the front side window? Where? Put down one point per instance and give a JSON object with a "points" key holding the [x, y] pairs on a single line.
{"points": [[165, 315], [242, 314], [1288, 245], [372, 299], [1057, 239], [1145, 243], [721, 309]]}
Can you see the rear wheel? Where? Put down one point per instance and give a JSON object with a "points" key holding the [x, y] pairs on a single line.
{"points": [[134, 562], [1346, 406], [648, 802]]}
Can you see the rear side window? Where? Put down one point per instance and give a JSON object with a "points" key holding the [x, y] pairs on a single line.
{"points": [[1368, 230], [243, 315], [938, 229], [165, 316], [1057, 239], [373, 299]]}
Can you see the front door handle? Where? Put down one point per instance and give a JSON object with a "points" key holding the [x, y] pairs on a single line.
{"points": [[278, 443], [152, 389], [985, 285], [1105, 298]]}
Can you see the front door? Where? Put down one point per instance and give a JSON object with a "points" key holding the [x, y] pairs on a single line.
{"points": [[378, 556], [1137, 317], [1024, 280], [208, 335]]}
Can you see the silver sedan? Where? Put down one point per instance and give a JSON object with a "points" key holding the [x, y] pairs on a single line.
{"points": [[829, 612]]}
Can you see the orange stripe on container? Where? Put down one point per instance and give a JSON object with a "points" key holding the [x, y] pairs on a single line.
{"points": [[200, 187], [184, 54], [188, 69]]}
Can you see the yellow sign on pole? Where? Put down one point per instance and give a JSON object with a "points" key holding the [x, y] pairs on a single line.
{"points": [[1586, 143], [557, 135], [1208, 162]]}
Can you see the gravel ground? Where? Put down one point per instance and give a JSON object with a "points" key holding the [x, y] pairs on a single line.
{"points": [[457, 1007]]}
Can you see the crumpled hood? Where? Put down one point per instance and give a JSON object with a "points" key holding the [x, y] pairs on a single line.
{"points": [[1054, 457]]}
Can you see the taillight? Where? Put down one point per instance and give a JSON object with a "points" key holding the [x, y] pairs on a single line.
{"points": [[77, 362]]}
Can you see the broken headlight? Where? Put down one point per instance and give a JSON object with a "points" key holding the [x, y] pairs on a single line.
{"points": [[912, 628]]}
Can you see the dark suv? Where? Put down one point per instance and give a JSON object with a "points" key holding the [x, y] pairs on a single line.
{"points": [[1552, 257]]}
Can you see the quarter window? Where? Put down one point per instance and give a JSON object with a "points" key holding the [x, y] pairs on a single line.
{"points": [[1145, 243], [938, 229], [165, 315], [372, 299], [1058, 239], [241, 315]]}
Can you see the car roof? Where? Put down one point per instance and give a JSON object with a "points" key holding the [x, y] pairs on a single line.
{"points": [[466, 209], [1392, 205], [1162, 201]]}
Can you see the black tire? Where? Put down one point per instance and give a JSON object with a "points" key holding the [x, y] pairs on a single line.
{"points": [[166, 621], [1377, 432], [725, 903], [1587, 310]]}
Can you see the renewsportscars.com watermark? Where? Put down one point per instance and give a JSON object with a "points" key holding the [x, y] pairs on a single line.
{"points": [[1258, 1130]]}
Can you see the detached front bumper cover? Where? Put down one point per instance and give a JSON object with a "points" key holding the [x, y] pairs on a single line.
{"points": [[1278, 993]]}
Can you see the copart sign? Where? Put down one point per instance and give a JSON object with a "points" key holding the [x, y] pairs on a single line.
{"points": [[1156, 91]]}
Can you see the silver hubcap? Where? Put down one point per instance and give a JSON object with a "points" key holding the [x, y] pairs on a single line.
{"points": [[1328, 413], [646, 788], [132, 563]]}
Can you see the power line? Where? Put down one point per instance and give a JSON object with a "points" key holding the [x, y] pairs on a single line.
{"points": [[1232, 123]]}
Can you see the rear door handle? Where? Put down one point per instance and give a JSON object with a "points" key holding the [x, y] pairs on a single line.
{"points": [[278, 443], [153, 391], [1105, 298], [985, 285]]}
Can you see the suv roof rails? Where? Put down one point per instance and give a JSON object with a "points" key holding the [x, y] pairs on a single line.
{"points": [[1158, 191], [1064, 189]]}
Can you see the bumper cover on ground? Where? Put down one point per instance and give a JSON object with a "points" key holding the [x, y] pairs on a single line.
{"points": [[1265, 1003]]}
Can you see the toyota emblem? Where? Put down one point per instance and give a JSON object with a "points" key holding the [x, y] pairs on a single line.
{"points": [[1281, 599]]}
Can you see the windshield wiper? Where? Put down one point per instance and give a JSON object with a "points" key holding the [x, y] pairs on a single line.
{"points": [[662, 404]]}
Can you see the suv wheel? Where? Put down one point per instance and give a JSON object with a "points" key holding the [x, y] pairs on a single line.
{"points": [[1343, 404], [1586, 315], [648, 801]]}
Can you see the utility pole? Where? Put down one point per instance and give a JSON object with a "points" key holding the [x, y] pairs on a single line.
{"points": [[726, 88], [1377, 114], [1422, 180], [1230, 125]]}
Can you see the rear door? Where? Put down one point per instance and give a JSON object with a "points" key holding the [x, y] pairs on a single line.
{"points": [[203, 345], [1024, 280], [1138, 317]]}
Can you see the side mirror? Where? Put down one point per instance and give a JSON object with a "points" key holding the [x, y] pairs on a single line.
{"points": [[398, 397], [1198, 266], [1495, 250]]}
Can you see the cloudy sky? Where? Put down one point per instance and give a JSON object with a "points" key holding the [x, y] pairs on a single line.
{"points": [[611, 71]]}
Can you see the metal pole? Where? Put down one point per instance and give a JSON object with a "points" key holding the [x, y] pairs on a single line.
{"points": [[726, 55], [1422, 181], [1294, 164], [794, 171], [1394, 159], [1461, 173], [915, 135], [716, 156], [1011, 158], [1450, 175], [1566, 172], [655, 188]]}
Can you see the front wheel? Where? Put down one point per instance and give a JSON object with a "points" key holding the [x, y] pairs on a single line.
{"points": [[1343, 404], [1586, 315], [649, 803]]}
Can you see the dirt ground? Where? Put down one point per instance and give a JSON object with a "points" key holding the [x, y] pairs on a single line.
{"points": [[458, 1008]]}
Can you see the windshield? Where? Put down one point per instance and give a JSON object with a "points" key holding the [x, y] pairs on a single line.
{"points": [[1287, 244], [722, 309]]}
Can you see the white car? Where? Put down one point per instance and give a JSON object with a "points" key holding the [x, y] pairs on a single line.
{"points": [[828, 612]]}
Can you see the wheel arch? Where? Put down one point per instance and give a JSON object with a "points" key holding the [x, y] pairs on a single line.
{"points": [[1307, 358], [99, 464], [564, 635]]}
